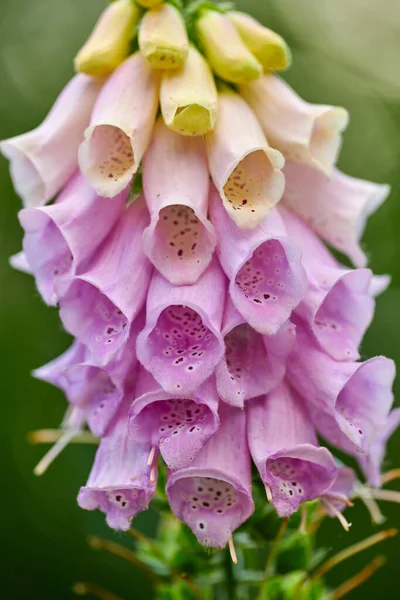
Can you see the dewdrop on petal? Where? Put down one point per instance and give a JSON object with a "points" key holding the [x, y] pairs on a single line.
{"points": [[227, 54], [306, 133], [245, 170], [163, 40], [109, 43], [188, 96], [268, 47]]}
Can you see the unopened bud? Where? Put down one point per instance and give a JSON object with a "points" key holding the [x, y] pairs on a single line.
{"points": [[149, 3], [189, 97], [163, 40], [227, 53], [109, 42], [268, 47]]}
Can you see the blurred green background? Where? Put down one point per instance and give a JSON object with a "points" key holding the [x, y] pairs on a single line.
{"points": [[345, 52]]}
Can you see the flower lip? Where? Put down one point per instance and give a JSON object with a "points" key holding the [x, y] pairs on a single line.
{"points": [[179, 242], [203, 339], [99, 323], [266, 282], [107, 158], [181, 343], [209, 502], [119, 504], [61, 239], [299, 474], [245, 170], [178, 426], [28, 181]]}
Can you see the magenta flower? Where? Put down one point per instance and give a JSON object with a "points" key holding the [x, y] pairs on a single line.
{"points": [[213, 495], [211, 324], [121, 483], [292, 466]]}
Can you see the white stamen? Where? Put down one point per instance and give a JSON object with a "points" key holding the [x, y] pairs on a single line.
{"points": [[55, 450], [339, 498], [153, 475], [364, 493], [345, 524], [151, 456], [387, 495], [268, 492], [232, 550]]}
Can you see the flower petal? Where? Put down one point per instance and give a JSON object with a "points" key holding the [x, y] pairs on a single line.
{"points": [[213, 495], [99, 305], [181, 343], [121, 126], [179, 427], [267, 279], [245, 170], [180, 240], [43, 160]]}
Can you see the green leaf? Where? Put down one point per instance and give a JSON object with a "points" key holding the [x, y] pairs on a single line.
{"points": [[294, 552]]}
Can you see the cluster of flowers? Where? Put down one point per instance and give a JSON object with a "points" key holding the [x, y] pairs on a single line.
{"points": [[211, 325]]}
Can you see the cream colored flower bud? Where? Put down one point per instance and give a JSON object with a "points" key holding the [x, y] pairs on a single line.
{"points": [[163, 40], [227, 54], [189, 97], [268, 47], [109, 43], [149, 3]]}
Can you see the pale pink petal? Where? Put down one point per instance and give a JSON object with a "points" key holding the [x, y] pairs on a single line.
{"points": [[19, 263], [44, 159], [303, 132], [338, 304], [178, 426], [180, 240], [263, 265], [284, 447], [120, 126], [213, 495], [61, 239], [120, 483], [100, 305], [245, 170], [348, 401], [336, 209], [253, 364], [181, 343]]}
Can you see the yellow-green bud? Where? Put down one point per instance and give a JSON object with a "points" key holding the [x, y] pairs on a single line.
{"points": [[149, 3], [188, 97], [268, 47], [163, 40], [227, 54], [110, 40]]}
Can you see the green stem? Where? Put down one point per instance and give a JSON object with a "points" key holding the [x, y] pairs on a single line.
{"points": [[230, 576]]}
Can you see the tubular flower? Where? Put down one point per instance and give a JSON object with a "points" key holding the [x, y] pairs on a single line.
{"points": [[188, 96], [109, 42], [306, 133], [43, 160], [163, 40], [211, 324], [180, 240]]}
